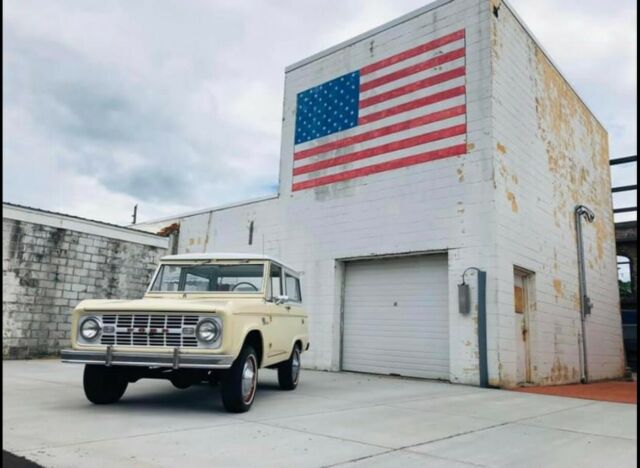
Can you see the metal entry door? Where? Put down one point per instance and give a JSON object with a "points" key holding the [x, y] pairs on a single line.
{"points": [[396, 317]]}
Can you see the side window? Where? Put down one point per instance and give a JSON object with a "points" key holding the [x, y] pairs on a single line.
{"points": [[276, 280], [293, 288]]}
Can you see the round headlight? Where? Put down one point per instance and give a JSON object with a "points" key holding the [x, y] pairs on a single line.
{"points": [[208, 330], [90, 328]]}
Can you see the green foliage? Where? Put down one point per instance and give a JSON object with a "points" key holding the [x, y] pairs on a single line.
{"points": [[625, 288]]}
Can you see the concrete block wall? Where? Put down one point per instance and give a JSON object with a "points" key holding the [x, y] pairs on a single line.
{"points": [[444, 205], [550, 155], [47, 270], [533, 152]]}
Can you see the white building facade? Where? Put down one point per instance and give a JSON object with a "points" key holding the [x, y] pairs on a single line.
{"points": [[443, 140]]}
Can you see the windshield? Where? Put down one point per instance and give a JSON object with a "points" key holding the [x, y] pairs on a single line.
{"points": [[237, 278]]}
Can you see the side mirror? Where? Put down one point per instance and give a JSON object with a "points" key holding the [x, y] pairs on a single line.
{"points": [[280, 299]]}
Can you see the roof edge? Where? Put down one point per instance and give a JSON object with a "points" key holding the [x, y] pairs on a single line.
{"points": [[75, 223], [409, 16], [360, 37], [207, 210], [551, 61]]}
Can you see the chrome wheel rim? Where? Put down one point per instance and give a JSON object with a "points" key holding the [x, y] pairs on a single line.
{"points": [[249, 378], [295, 365]]}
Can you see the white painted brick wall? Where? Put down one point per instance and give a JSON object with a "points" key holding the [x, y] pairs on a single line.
{"points": [[428, 207], [457, 204], [550, 155]]}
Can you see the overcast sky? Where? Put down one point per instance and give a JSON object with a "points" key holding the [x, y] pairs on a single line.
{"points": [[176, 105]]}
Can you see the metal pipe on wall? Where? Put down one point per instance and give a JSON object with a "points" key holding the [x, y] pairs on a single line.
{"points": [[585, 302]]}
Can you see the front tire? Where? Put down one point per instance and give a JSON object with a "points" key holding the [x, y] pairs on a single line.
{"points": [[103, 385], [240, 382], [289, 371]]}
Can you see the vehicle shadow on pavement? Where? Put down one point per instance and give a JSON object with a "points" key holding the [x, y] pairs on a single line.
{"points": [[197, 398]]}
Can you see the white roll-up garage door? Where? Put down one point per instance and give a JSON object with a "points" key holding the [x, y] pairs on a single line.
{"points": [[396, 317]]}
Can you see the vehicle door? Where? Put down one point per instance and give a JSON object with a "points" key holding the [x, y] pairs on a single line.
{"points": [[293, 306], [276, 330]]}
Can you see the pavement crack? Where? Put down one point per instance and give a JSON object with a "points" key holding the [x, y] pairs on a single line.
{"points": [[365, 457], [453, 436], [573, 431]]}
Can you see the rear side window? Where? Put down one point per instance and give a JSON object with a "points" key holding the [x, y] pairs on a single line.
{"points": [[293, 288]]}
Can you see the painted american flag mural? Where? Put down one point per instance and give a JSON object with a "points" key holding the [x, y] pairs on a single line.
{"points": [[406, 109]]}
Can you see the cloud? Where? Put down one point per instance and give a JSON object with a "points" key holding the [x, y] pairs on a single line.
{"points": [[177, 106]]}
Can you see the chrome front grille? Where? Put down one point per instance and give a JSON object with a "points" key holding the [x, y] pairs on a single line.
{"points": [[149, 330]]}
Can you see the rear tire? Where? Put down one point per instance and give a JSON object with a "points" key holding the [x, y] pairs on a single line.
{"points": [[289, 371], [240, 382], [103, 385]]}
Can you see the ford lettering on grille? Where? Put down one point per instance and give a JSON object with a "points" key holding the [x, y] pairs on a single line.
{"points": [[149, 330]]}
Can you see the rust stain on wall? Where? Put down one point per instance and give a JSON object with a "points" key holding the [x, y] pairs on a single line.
{"points": [[514, 204], [576, 301], [501, 148], [559, 287], [601, 236], [568, 129], [559, 373], [470, 147], [168, 230]]}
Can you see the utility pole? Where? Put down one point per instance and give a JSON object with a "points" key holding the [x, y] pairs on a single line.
{"points": [[135, 213]]}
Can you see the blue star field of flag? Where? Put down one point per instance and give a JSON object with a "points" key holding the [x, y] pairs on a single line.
{"points": [[327, 108]]}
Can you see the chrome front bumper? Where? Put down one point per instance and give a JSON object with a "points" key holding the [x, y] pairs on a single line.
{"points": [[174, 360]]}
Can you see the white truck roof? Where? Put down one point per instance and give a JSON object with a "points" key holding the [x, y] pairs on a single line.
{"points": [[223, 256]]}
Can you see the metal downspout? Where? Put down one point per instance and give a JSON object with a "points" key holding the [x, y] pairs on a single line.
{"points": [[585, 302], [482, 329], [482, 325]]}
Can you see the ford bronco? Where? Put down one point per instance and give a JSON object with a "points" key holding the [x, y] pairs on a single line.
{"points": [[205, 318]]}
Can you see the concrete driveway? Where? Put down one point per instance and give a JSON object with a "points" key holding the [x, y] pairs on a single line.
{"points": [[332, 419]]}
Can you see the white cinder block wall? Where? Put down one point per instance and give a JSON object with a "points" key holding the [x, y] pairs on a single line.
{"points": [[463, 205], [550, 154]]}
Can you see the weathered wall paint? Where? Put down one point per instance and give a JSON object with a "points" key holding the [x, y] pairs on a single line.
{"points": [[46, 271], [441, 205], [551, 155], [506, 203]]}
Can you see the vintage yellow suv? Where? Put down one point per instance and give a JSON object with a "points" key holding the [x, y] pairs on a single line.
{"points": [[205, 318]]}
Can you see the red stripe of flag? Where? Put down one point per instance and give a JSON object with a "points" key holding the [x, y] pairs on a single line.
{"points": [[382, 149], [382, 167], [407, 54], [379, 132], [418, 67], [415, 86], [407, 106]]}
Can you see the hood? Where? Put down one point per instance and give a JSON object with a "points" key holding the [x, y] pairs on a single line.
{"points": [[153, 304]]}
